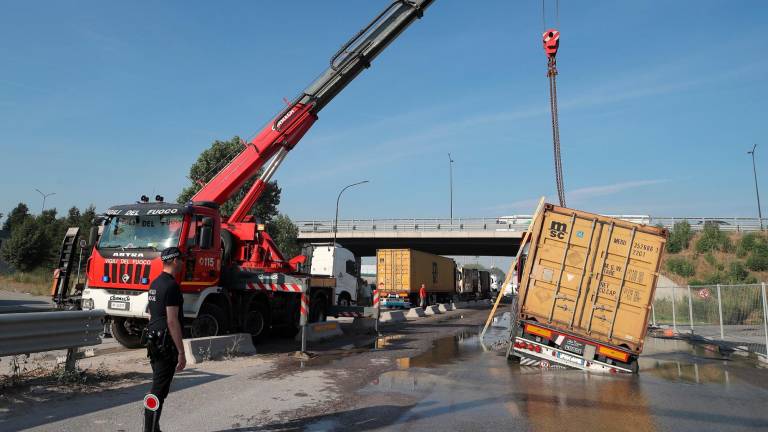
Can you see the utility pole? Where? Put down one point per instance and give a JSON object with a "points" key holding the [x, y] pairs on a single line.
{"points": [[450, 176], [757, 192], [44, 197], [336, 219]]}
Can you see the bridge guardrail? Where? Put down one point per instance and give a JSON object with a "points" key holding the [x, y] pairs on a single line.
{"points": [[508, 223], [33, 332]]}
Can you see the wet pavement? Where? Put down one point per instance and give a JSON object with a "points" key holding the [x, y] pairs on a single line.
{"points": [[458, 385]]}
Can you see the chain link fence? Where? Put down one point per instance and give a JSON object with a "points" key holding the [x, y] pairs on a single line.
{"points": [[734, 314]]}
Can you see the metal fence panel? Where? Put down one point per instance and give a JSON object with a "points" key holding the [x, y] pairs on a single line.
{"points": [[734, 314], [25, 333]]}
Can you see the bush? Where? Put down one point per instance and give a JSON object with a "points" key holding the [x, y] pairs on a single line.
{"points": [[680, 237], [757, 262], [751, 242], [681, 267], [712, 239], [737, 273]]}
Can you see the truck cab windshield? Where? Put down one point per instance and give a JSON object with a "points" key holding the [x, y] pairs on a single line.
{"points": [[141, 232]]}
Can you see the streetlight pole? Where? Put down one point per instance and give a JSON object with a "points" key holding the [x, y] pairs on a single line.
{"points": [[44, 197], [450, 176], [757, 192], [336, 219]]}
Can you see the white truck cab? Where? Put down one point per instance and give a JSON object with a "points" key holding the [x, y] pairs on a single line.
{"points": [[340, 263]]}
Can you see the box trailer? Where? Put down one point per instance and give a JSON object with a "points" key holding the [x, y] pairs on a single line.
{"points": [[467, 283], [586, 288], [484, 284], [400, 273]]}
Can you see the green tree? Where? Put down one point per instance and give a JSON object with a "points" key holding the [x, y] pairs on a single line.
{"points": [[27, 248], [52, 230], [211, 161], [285, 234], [16, 217], [680, 237], [73, 217]]}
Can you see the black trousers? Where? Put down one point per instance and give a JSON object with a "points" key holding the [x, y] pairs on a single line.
{"points": [[163, 368]]}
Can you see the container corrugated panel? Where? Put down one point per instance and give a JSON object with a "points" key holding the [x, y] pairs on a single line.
{"points": [[404, 270], [591, 275]]}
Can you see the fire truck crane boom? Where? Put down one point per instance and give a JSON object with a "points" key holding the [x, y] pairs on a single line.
{"points": [[287, 128]]}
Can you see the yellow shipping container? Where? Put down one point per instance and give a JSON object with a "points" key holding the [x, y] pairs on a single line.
{"points": [[591, 276], [402, 271]]}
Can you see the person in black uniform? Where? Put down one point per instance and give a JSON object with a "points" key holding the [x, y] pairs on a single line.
{"points": [[164, 347]]}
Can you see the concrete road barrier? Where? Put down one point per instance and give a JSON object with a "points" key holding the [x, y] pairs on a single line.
{"points": [[414, 313], [460, 305], [442, 308], [198, 350], [392, 316], [321, 331], [432, 310]]}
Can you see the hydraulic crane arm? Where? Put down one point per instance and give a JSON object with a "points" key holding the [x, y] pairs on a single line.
{"points": [[288, 127]]}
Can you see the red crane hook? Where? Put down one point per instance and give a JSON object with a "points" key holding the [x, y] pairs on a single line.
{"points": [[551, 40]]}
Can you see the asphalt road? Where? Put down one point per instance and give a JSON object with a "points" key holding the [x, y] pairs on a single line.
{"points": [[14, 302], [431, 374]]}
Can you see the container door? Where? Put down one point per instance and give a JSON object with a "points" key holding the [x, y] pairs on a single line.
{"points": [[561, 266], [621, 288]]}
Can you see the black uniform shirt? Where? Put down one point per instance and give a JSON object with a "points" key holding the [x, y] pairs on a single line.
{"points": [[164, 292]]}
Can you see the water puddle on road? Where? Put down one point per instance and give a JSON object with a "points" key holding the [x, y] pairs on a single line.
{"points": [[444, 351]]}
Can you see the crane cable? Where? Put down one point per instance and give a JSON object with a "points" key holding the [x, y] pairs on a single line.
{"points": [[551, 41]]}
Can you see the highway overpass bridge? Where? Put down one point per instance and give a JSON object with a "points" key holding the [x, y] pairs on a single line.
{"points": [[499, 236], [477, 236]]}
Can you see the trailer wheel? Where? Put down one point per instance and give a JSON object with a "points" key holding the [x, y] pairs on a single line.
{"points": [[211, 321], [634, 366], [124, 335]]}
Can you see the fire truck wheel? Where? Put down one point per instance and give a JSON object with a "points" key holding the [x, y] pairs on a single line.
{"points": [[211, 321], [256, 322], [123, 333]]}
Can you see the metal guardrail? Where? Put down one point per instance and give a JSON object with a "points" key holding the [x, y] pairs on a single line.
{"points": [[32, 332], [509, 223]]}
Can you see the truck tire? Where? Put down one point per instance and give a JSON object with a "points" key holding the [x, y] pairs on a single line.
{"points": [[211, 321], [256, 321], [345, 300], [123, 334], [318, 311]]}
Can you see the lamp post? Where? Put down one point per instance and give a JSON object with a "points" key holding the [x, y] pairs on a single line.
{"points": [[450, 177], [757, 192], [44, 197], [336, 219]]}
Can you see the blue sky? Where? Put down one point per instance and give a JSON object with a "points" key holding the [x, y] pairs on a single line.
{"points": [[659, 102]]}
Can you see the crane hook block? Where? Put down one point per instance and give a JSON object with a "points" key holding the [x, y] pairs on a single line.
{"points": [[551, 39]]}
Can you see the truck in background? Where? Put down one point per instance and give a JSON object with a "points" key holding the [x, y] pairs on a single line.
{"points": [[467, 283], [400, 273], [585, 293], [341, 264]]}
